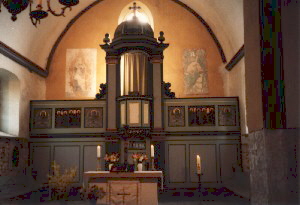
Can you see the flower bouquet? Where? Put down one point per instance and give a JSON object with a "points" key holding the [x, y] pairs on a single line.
{"points": [[92, 193], [111, 159], [139, 159]]}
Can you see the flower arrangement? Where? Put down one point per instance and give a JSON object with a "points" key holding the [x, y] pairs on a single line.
{"points": [[139, 158], [112, 158], [92, 192], [59, 183]]}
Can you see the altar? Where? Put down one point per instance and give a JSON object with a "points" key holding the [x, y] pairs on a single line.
{"points": [[130, 188]]}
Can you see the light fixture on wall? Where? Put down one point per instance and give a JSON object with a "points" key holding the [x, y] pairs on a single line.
{"points": [[17, 6]]}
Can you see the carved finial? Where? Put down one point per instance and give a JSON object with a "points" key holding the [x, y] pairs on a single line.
{"points": [[106, 40], [134, 8], [161, 37]]}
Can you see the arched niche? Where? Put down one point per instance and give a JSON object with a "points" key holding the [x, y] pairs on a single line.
{"points": [[9, 103]]}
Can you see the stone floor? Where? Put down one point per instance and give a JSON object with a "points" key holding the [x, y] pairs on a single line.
{"points": [[208, 196]]}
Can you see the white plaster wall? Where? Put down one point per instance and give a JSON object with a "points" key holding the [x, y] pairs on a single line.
{"points": [[226, 19], [35, 43], [234, 85], [31, 87]]}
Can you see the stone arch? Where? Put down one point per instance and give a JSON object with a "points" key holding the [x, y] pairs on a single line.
{"points": [[9, 103]]}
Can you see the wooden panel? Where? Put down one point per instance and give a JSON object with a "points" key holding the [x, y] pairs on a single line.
{"points": [[208, 162], [228, 158], [40, 162], [90, 157], [177, 161], [67, 157]]}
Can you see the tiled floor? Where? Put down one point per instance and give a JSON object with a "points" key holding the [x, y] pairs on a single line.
{"points": [[209, 196]]}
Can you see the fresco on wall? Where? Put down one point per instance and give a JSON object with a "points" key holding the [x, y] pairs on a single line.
{"points": [[195, 72], [227, 115], [203, 115], [67, 117], [176, 116], [93, 117], [42, 118], [81, 72]]}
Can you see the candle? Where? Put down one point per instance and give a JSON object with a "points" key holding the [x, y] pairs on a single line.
{"points": [[198, 164], [152, 150], [98, 151]]}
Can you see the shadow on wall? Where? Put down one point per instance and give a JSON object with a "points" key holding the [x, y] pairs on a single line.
{"points": [[9, 102]]}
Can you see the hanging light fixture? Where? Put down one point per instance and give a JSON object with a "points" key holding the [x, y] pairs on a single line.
{"points": [[17, 6]]}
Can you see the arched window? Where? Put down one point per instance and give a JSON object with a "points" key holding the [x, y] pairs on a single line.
{"points": [[144, 14], [9, 103]]}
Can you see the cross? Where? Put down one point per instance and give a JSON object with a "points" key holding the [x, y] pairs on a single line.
{"points": [[135, 8]]}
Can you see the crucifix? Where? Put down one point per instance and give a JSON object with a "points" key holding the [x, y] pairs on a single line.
{"points": [[134, 8]]}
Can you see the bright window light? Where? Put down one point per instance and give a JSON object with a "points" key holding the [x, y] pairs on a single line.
{"points": [[142, 17]]}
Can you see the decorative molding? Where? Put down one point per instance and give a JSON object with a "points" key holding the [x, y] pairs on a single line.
{"points": [[156, 59], [210, 31], [112, 60], [236, 58], [20, 59]]}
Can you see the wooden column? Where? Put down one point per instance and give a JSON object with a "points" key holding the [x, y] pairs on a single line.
{"points": [[112, 63], [157, 61]]}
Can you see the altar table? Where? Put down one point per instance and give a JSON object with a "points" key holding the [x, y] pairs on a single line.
{"points": [[128, 188]]}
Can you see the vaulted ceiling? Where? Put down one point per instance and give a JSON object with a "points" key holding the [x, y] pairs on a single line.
{"points": [[225, 18]]}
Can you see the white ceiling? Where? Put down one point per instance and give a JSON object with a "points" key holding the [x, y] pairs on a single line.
{"points": [[225, 17]]}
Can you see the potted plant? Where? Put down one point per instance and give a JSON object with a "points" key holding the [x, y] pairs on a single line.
{"points": [[60, 182], [93, 193]]}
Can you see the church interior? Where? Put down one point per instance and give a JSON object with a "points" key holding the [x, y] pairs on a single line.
{"points": [[125, 102]]}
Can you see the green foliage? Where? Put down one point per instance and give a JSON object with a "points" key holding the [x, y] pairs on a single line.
{"points": [[93, 192], [60, 182]]}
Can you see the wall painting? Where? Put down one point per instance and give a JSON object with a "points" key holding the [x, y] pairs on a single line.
{"points": [[227, 115], [42, 118], [67, 117], [203, 115], [195, 72], [81, 72], [176, 116], [93, 117]]}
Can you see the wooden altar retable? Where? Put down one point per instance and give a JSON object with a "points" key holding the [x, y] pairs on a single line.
{"points": [[135, 188]]}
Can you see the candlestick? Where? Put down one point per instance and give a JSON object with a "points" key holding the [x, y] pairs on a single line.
{"points": [[98, 151], [152, 150], [98, 164], [198, 164]]}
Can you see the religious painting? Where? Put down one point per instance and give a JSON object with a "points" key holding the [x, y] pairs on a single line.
{"points": [[42, 118], [195, 72], [81, 72], [202, 115], [67, 117], [227, 115], [93, 117], [176, 116]]}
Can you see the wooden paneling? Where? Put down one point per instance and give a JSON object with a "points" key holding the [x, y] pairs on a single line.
{"points": [[177, 163], [68, 156], [208, 162], [90, 157], [40, 156], [228, 159]]}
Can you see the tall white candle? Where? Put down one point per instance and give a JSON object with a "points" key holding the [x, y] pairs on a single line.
{"points": [[198, 164], [152, 150], [98, 151]]}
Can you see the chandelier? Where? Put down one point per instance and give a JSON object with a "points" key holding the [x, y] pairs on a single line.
{"points": [[17, 6]]}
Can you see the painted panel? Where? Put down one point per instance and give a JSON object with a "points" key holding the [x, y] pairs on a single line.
{"points": [[208, 162], [227, 115], [177, 162], [176, 116], [195, 72], [203, 115], [123, 113], [228, 158], [67, 157], [40, 162], [81, 72], [93, 117], [67, 117], [146, 114], [42, 118]]}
